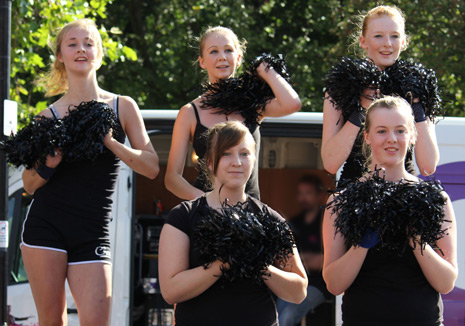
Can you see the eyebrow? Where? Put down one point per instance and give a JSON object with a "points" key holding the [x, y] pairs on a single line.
{"points": [[403, 126], [75, 38]]}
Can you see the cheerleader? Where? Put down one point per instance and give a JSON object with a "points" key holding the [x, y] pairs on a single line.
{"points": [[390, 261], [223, 254], [220, 54], [66, 233], [353, 84]]}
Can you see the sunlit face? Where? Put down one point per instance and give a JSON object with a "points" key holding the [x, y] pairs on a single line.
{"points": [[220, 57], [389, 136], [79, 51], [236, 164], [383, 41]]}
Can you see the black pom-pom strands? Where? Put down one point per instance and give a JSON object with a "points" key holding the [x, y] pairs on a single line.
{"points": [[79, 136], [247, 94], [396, 211], [246, 241], [347, 80], [32, 144]]}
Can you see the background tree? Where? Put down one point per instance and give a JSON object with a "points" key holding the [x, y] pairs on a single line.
{"points": [[33, 22], [312, 35]]}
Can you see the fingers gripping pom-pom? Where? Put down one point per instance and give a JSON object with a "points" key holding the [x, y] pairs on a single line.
{"points": [[246, 241], [398, 211], [247, 94], [87, 126], [346, 82]]}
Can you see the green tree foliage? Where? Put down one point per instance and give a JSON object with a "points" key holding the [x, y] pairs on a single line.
{"points": [[32, 23], [312, 35]]}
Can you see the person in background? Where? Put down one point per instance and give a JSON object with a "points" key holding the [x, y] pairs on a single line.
{"points": [[307, 231]]}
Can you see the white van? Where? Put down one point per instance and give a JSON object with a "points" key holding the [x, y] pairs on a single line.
{"points": [[290, 148]]}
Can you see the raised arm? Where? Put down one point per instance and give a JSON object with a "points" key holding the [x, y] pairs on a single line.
{"points": [[440, 269], [340, 266], [338, 137], [174, 181], [142, 157], [290, 281], [286, 99], [178, 283], [426, 147]]}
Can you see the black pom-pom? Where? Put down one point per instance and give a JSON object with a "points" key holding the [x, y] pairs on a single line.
{"points": [[31, 145], [412, 80], [87, 125], [346, 82], [79, 136], [396, 211], [248, 242], [247, 94]]}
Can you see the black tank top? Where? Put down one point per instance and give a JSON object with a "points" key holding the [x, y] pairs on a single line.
{"points": [[82, 188], [200, 146], [391, 290]]}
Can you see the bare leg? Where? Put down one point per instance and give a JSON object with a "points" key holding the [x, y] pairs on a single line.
{"points": [[90, 285], [46, 271]]}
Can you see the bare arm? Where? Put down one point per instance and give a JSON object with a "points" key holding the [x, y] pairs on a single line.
{"points": [[178, 283], [312, 261], [174, 181], [286, 99], [426, 147], [32, 180], [340, 266], [142, 157], [441, 270], [338, 137], [289, 282]]}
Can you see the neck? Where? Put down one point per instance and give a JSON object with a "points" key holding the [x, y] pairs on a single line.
{"points": [[231, 196], [82, 88], [391, 173]]}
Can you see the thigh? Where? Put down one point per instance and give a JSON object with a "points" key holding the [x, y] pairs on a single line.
{"points": [[90, 284], [46, 271]]}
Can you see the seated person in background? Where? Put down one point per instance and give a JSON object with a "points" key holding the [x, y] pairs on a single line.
{"points": [[307, 231]]}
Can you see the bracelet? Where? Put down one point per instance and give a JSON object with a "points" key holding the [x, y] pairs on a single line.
{"points": [[418, 112], [45, 172]]}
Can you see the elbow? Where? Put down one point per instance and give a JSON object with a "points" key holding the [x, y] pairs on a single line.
{"points": [[296, 105], [168, 298], [153, 173], [169, 181], [427, 169], [446, 288], [330, 166], [334, 290], [30, 190]]}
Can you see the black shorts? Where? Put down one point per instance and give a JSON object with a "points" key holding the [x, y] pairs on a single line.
{"points": [[84, 239]]}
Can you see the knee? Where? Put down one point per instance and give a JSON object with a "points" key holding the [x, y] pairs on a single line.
{"points": [[94, 319], [52, 320]]}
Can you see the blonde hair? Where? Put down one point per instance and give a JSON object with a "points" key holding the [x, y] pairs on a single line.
{"points": [[240, 45], [362, 21], [56, 80], [387, 102]]}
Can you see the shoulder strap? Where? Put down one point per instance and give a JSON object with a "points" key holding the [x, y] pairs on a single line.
{"points": [[196, 112], [54, 111], [115, 105]]}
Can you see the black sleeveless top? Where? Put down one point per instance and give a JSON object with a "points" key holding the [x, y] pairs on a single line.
{"points": [[200, 146], [391, 290], [242, 302], [83, 188]]}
